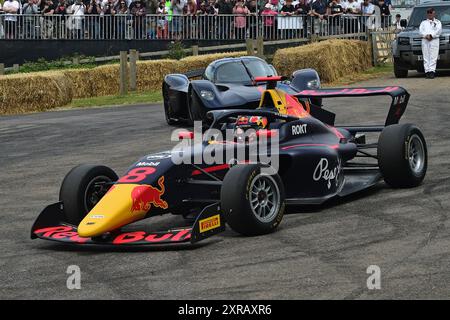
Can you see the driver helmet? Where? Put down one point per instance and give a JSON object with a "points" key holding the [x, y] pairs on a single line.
{"points": [[243, 123]]}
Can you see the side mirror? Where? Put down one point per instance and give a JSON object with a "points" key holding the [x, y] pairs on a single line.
{"points": [[403, 23]]}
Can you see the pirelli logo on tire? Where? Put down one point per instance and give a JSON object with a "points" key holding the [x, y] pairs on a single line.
{"points": [[209, 223]]}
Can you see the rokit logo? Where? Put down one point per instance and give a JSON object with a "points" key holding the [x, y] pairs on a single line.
{"points": [[299, 129]]}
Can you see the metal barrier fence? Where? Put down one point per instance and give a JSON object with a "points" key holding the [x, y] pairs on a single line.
{"points": [[208, 27]]}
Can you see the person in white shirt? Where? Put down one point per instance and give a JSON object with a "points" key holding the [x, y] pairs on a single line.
{"points": [[11, 9], [430, 30]]}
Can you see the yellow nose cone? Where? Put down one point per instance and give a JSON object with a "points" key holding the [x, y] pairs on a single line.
{"points": [[120, 206]]}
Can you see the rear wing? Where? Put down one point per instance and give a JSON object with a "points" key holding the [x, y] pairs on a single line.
{"points": [[399, 95]]}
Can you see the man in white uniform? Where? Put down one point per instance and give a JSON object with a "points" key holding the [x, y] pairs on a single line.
{"points": [[430, 30]]}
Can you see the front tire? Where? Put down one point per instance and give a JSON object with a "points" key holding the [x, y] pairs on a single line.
{"points": [[399, 72], [82, 188], [402, 155], [252, 200]]}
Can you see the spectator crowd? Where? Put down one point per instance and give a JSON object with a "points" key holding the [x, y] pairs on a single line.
{"points": [[191, 19]]}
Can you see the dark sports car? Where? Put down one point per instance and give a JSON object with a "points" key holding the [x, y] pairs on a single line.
{"points": [[307, 160], [225, 84]]}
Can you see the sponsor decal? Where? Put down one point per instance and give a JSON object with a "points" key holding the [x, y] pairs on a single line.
{"points": [[159, 156], [97, 216], [69, 234], [209, 223], [61, 233], [145, 196], [147, 164], [299, 129], [322, 172]]}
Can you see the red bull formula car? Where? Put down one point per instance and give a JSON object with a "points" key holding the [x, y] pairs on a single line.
{"points": [[306, 160]]}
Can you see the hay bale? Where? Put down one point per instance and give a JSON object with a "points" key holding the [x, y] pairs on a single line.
{"points": [[202, 61], [331, 58], [98, 81], [23, 93]]}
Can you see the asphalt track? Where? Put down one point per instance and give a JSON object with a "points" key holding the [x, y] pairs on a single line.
{"points": [[319, 253]]}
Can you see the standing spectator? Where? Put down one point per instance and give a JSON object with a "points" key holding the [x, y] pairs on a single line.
{"points": [[241, 11], [121, 13], [47, 13], [430, 30], [190, 11], [108, 20], [61, 11], [367, 10], [75, 21], [151, 6], [211, 15], [319, 11], [287, 10], [161, 24], [335, 12], [177, 7], [252, 18], [11, 9], [224, 7], [397, 23], [385, 13], [138, 13], [303, 8], [269, 21], [351, 23], [93, 10], [29, 9]]}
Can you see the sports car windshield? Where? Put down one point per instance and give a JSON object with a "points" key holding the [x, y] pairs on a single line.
{"points": [[420, 14], [242, 72]]}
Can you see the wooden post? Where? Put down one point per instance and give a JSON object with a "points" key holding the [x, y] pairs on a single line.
{"points": [[123, 73], [76, 60], [16, 68], [2, 69], [250, 47], [195, 50], [260, 47], [133, 70]]}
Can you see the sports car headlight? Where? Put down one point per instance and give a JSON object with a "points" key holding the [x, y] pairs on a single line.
{"points": [[404, 41], [313, 84], [207, 95]]}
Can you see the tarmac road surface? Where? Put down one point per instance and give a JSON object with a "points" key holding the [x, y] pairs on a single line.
{"points": [[319, 253]]}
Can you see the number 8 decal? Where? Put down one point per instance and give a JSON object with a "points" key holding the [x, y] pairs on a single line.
{"points": [[137, 175]]}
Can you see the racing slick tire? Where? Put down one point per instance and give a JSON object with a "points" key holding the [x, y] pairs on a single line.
{"points": [[402, 155], [167, 112], [82, 188], [252, 200], [399, 72]]}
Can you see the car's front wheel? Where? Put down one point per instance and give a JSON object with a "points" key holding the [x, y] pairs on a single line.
{"points": [[252, 200], [82, 189], [167, 110], [399, 72], [402, 155]]}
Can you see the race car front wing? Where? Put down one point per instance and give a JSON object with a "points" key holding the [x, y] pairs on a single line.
{"points": [[50, 225]]}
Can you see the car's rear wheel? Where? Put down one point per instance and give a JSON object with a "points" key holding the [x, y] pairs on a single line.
{"points": [[402, 155], [399, 72], [252, 200], [82, 188]]}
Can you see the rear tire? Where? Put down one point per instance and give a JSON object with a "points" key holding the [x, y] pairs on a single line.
{"points": [[252, 201], [402, 155], [81, 189], [399, 72]]}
